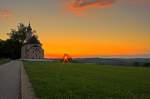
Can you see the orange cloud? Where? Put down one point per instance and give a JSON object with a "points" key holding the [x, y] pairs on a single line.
{"points": [[79, 6], [5, 13]]}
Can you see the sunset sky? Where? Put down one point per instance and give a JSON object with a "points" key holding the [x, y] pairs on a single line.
{"points": [[83, 28]]}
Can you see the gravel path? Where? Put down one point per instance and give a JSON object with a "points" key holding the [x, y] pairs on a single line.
{"points": [[10, 80]]}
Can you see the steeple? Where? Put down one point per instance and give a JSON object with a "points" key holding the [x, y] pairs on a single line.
{"points": [[29, 29], [29, 23], [29, 33]]}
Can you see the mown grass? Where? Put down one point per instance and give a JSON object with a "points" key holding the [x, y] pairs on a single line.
{"points": [[88, 81], [2, 61]]}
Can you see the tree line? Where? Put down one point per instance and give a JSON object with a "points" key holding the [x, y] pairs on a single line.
{"points": [[11, 47]]}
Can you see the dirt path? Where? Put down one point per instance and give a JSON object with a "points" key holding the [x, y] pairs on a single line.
{"points": [[10, 80]]}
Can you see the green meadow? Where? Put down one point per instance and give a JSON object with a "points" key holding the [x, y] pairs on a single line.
{"points": [[52, 80]]}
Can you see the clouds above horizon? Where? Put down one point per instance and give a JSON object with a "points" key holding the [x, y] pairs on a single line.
{"points": [[4, 13], [79, 7]]}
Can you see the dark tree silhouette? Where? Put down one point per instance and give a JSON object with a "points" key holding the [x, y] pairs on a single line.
{"points": [[19, 34], [34, 40], [67, 58], [147, 64], [11, 48]]}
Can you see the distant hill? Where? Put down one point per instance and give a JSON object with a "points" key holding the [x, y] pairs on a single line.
{"points": [[116, 61]]}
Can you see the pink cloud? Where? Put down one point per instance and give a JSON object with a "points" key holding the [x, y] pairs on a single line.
{"points": [[5, 13], [80, 6]]}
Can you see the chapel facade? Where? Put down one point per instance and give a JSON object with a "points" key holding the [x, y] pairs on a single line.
{"points": [[32, 48]]}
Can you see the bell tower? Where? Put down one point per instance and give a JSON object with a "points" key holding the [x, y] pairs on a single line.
{"points": [[29, 32]]}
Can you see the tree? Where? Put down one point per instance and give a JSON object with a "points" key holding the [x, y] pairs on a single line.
{"points": [[147, 64], [11, 48], [18, 35], [34, 40], [15, 42], [136, 64], [1, 48], [67, 58]]}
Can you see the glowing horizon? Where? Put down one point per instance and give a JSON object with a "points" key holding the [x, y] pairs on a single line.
{"points": [[83, 28]]}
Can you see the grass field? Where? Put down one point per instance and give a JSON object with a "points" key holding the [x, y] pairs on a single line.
{"points": [[2, 61], [88, 81]]}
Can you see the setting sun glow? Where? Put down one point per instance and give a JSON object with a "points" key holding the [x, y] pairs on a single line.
{"points": [[83, 28]]}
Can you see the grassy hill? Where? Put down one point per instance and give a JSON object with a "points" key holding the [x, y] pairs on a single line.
{"points": [[88, 81]]}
